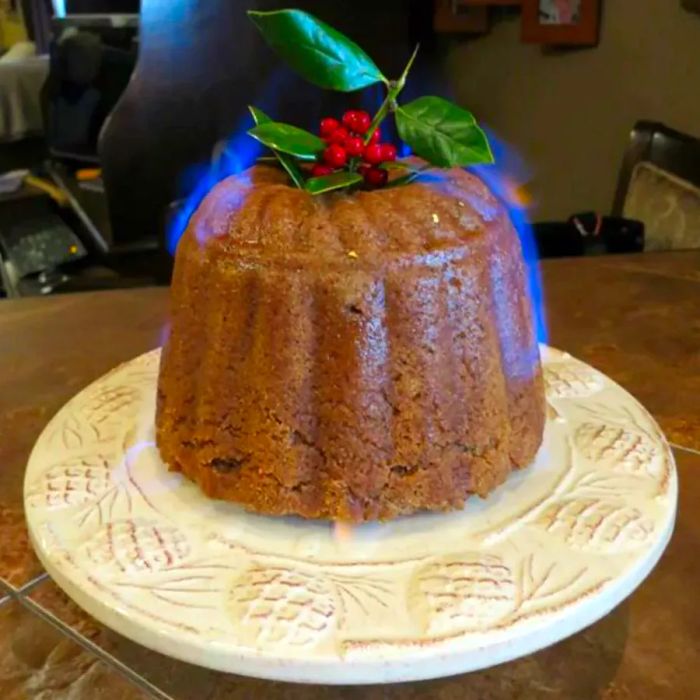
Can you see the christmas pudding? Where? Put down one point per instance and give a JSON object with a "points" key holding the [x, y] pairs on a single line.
{"points": [[348, 345]]}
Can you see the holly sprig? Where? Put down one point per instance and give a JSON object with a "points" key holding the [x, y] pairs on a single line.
{"points": [[442, 133]]}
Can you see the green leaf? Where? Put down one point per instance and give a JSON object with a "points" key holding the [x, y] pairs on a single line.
{"points": [[259, 117], [401, 165], [394, 165], [408, 178], [317, 185], [443, 133], [288, 163], [288, 139], [318, 52]]}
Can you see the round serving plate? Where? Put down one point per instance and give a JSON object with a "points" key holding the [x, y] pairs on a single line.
{"points": [[551, 551]]}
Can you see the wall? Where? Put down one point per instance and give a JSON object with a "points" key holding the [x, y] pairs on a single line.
{"points": [[570, 112]]}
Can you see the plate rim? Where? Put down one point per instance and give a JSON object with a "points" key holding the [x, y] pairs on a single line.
{"points": [[440, 659]]}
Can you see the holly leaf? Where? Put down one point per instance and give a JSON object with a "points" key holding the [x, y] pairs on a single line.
{"points": [[336, 181], [408, 178], [287, 161], [394, 165], [259, 117], [288, 139], [442, 133], [316, 51], [401, 165]]}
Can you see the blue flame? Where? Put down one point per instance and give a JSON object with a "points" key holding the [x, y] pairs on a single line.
{"points": [[238, 153], [509, 169], [404, 150], [229, 157], [164, 334], [372, 97]]}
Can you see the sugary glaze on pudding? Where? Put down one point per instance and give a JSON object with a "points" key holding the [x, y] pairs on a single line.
{"points": [[349, 356]]}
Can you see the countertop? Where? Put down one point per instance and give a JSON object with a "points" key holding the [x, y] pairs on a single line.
{"points": [[636, 318]]}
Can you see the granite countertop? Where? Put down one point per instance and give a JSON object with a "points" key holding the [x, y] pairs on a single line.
{"points": [[636, 318]]}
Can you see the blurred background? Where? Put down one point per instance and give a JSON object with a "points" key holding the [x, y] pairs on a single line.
{"points": [[116, 117]]}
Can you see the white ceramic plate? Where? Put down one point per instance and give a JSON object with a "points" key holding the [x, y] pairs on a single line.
{"points": [[550, 552]]}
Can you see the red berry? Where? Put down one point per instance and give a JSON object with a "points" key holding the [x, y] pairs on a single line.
{"points": [[373, 153], [354, 146], [388, 151], [328, 126], [376, 136], [357, 120], [363, 168], [349, 119], [339, 136], [319, 170], [362, 122], [376, 177], [335, 155]]}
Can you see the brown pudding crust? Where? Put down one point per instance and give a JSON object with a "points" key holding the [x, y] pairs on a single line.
{"points": [[349, 356]]}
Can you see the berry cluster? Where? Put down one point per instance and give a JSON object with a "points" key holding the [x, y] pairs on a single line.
{"points": [[346, 146]]}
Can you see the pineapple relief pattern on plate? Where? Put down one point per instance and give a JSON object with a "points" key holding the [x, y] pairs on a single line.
{"points": [[132, 546], [278, 606], [473, 592], [566, 379]]}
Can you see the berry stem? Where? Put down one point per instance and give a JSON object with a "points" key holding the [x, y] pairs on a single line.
{"points": [[389, 104]]}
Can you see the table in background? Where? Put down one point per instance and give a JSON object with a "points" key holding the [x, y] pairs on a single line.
{"points": [[636, 318]]}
